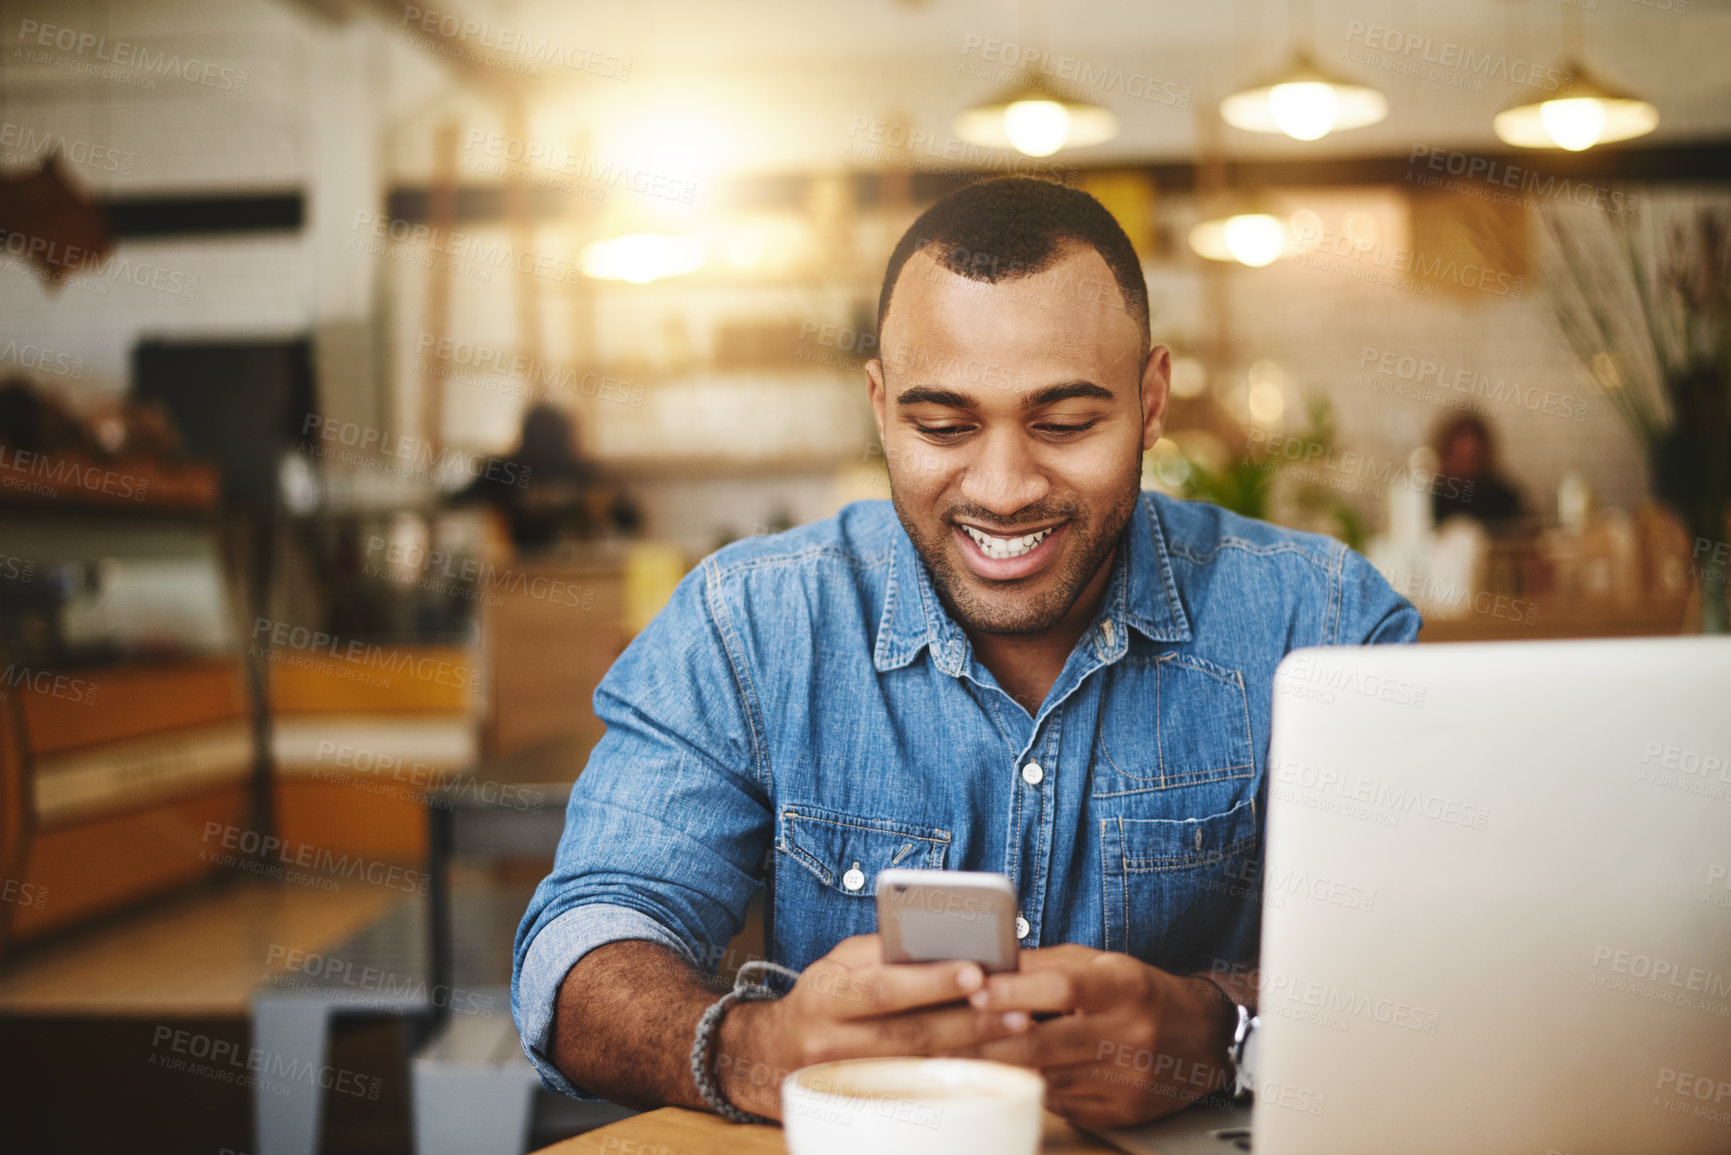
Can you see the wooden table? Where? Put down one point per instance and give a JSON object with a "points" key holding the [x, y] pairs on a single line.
{"points": [[676, 1131]]}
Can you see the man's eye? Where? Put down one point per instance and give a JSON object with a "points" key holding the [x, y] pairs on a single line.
{"points": [[943, 431], [1082, 428]]}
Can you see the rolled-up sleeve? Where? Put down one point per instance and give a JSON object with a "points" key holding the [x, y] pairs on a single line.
{"points": [[668, 826], [1367, 609]]}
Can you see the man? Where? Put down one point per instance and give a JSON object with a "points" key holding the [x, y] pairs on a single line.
{"points": [[1027, 666]]}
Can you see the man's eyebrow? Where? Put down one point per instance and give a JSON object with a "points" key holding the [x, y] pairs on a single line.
{"points": [[931, 395], [1050, 395], [1054, 393]]}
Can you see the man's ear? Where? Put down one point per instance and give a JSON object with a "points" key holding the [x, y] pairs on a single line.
{"points": [[879, 394], [1156, 388]]}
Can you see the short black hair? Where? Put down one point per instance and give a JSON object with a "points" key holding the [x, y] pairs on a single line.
{"points": [[1017, 226]]}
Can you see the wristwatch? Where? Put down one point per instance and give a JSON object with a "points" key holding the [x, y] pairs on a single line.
{"points": [[1243, 1051]]}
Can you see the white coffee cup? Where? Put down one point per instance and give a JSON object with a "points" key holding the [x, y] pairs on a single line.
{"points": [[912, 1107]]}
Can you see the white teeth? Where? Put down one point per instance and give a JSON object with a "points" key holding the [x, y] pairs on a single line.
{"points": [[1005, 547]]}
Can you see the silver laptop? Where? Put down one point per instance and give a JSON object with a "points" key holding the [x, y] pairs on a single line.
{"points": [[1496, 905]]}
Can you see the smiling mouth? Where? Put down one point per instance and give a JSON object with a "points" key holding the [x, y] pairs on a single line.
{"points": [[1004, 548]]}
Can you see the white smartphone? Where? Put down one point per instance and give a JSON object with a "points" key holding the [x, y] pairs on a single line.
{"points": [[937, 915]]}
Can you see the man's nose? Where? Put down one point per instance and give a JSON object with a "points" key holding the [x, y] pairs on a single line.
{"points": [[1005, 477]]}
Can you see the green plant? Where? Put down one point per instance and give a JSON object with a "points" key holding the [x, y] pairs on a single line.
{"points": [[1646, 307], [1246, 484]]}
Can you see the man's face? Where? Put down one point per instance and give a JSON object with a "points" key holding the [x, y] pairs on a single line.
{"points": [[1014, 429]]}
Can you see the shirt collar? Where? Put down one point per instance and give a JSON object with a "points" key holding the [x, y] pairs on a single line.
{"points": [[1142, 595]]}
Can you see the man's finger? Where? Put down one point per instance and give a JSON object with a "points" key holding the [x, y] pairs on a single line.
{"points": [[1082, 1094], [1082, 1078], [1054, 1043], [857, 951], [927, 1032], [893, 987], [1055, 988]]}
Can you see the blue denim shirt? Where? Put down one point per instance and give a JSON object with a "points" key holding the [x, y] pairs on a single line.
{"points": [[805, 706]]}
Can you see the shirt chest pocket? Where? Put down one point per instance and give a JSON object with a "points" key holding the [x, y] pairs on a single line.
{"points": [[1169, 881], [827, 865], [1197, 731]]}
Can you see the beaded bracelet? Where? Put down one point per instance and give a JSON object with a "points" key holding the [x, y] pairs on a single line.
{"points": [[748, 987]]}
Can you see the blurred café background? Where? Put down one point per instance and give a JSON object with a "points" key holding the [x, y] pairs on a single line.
{"points": [[370, 372]]}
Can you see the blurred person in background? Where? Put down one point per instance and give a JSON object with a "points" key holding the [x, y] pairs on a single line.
{"points": [[1466, 451], [553, 494]]}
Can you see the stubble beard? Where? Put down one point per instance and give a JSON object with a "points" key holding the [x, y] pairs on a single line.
{"points": [[1006, 612]]}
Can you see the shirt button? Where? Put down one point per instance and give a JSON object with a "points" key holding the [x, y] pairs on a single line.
{"points": [[853, 879], [1032, 774], [1022, 928]]}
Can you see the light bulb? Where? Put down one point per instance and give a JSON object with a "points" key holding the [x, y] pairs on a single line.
{"points": [[1305, 110], [1037, 127], [641, 257], [1267, 404], [1574, 124], [1255, 239]]}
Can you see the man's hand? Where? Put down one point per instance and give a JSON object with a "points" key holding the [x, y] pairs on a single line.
{"points": [[851, 1004], [1130, 1043]]}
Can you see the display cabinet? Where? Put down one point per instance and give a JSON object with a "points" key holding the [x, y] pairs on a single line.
{"points": [[126, 737]]}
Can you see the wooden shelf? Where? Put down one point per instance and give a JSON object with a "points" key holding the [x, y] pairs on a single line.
{"points": [[133, 700], [71, 479], [1662, 617]]}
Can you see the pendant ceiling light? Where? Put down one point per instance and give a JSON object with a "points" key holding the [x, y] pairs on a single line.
{"points": [[1236, 226], [1032, 116], [1588, 112], [1252, 238], [1305, 101], [1585, 112], [1035, 120]]}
